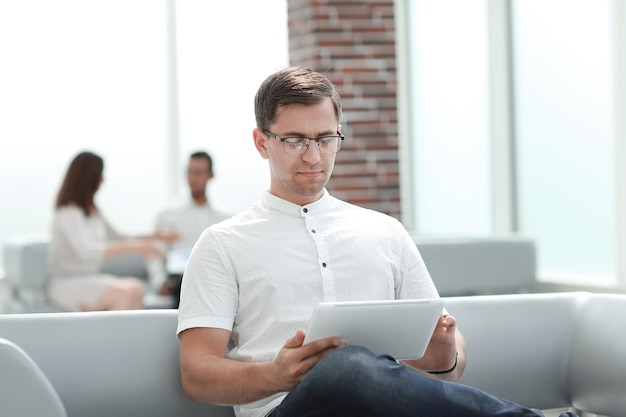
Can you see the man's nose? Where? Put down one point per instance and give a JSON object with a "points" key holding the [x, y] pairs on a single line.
{"points": [[312, 154]]}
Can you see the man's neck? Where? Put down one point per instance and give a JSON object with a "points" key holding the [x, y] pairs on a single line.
{"points": [[200, 199]]}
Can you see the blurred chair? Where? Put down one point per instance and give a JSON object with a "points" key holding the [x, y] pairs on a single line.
{"points": [[25, 270]]}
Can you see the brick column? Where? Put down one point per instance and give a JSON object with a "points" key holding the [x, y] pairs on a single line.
{"points": [[353, 43]]}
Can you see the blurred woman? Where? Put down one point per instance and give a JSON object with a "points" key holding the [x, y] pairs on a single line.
{"points": [[82, 239]]}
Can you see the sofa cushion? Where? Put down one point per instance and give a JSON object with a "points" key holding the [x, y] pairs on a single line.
{"points": [[527, 355]]}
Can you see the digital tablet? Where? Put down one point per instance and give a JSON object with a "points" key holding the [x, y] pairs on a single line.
{"points": [[400, 328], [176, 261]]}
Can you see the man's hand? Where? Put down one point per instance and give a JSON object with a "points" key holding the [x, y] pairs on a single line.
{"points": [[295, 360], [167, 237], [441, 353], [166, 289]]}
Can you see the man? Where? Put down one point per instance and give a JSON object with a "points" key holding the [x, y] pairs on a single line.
{"points": [[188, 219], [253, 281]]}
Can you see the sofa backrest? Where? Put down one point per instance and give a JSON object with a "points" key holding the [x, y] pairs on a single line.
{"points": [[117, 363], [25, 262], [495, 265], [458, 266]]}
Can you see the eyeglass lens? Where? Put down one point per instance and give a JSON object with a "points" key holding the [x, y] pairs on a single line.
{"points": [[329, 145]]}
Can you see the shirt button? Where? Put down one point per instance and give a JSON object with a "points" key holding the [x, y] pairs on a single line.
{"points": [[313, 231], [306, 210], [324, 264]]}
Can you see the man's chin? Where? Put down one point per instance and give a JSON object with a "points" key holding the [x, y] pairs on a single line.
{"points": [[311, 191]]}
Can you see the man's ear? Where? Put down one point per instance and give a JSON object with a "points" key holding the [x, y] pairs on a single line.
{"points": [[260, 142]]}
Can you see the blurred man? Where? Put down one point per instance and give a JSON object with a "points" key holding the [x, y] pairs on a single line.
{"points": [[188, 219]]}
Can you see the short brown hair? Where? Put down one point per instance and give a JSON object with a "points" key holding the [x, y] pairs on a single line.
{"points": [[292, 85]]}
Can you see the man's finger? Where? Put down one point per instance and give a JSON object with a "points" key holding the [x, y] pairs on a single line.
{"points": [[296, 340]]}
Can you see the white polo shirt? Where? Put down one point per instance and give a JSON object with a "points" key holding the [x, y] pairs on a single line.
{"points": [[260, 273], [189, 219]]}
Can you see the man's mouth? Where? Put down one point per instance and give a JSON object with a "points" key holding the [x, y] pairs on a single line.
{"points": [[310, 174]]}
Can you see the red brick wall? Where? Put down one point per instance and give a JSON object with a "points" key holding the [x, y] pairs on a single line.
{"points": [[353, 43]]}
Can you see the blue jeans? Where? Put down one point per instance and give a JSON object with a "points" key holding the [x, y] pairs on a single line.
{"points": [[353, 381]]}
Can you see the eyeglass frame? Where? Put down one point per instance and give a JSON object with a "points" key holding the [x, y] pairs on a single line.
{"points": [[307, 142]]}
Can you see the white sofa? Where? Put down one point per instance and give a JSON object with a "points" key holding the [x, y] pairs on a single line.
{"points": [[549, 351]]}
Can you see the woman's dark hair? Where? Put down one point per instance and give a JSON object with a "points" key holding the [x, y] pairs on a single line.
{"points": [[293, 85], [81, 182]]}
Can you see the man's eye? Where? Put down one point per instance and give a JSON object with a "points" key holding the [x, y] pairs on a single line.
{"points": [[295, 141]]}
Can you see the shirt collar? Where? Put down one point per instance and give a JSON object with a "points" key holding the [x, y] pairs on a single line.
{"points": [[272, 202]]}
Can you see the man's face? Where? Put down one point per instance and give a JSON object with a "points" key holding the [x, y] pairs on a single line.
{"points": [[198, 174], [299, 178]]}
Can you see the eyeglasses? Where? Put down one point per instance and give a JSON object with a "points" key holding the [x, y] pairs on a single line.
{"points": [[299, 145]]}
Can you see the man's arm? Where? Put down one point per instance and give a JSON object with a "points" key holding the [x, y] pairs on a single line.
{"points": [[208, 376]]}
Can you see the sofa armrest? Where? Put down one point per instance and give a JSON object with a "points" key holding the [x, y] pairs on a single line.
{"points": [[597, 377], [24, 389]]}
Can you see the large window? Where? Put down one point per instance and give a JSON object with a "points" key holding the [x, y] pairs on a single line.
{"points": [[515, 92], [449, 148], [564, 137], [79, 75]]}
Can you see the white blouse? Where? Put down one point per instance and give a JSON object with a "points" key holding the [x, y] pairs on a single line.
{"points": [[78, 242]]}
